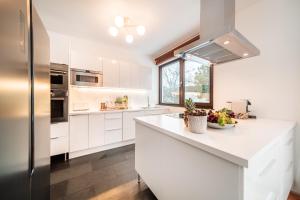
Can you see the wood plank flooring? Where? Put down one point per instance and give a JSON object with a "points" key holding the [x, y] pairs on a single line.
{"points": [[101, 176], [107, 175]]}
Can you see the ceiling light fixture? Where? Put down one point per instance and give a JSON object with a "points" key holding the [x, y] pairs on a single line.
{"points": [[113, 31], [125, 24], [226, 42], [245, 54], [129, 38], [119, 21]]}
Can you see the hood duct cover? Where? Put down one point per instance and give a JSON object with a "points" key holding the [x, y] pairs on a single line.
{"points": [[219, 41]]}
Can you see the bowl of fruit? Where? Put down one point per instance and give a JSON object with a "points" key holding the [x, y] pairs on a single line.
{"points": [[221, 119]]}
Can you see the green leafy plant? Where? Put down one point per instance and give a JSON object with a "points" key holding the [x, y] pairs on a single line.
{"points": [[189, 106]]}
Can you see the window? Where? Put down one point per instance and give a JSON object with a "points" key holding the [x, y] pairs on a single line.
{"points": [[183, 79]]}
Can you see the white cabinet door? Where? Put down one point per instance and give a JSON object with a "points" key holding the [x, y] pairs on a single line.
{"points": [[135, 76], [129, 124], [113, 136], [82, 60], [59, 48], [125, 75], [79, 132], [96, 130], [59, 129], [111, 73]]}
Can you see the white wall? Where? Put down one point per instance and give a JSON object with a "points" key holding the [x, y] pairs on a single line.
{"points": [[272, 80]]}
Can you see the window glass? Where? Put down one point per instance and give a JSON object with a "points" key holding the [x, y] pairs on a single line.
{"points": [[170, 83], [197, 81]]}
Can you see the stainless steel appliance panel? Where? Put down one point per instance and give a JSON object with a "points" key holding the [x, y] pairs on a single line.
{"points": [[41, 110], [59, 76], [14, 101], [86, 78], [59, 106]]}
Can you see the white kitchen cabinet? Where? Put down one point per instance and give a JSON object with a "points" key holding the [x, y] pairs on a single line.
{"points": [[111, 74], [59, 48], [125, 75], [112, 136], [59, 138], [96, 130], [79, 132], [129, 124], [83, 60]]}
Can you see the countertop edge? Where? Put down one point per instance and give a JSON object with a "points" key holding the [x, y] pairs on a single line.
{"points": [[221, 154]]}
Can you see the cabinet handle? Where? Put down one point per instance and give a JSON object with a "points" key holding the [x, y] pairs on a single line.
{"points": [[54, 138], [268, 166]]}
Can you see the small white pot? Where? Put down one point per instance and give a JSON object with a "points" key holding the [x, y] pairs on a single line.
{"points": [[197, 124]]}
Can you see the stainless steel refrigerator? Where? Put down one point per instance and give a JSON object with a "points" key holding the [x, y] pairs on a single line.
{"points": [[24, 103]]}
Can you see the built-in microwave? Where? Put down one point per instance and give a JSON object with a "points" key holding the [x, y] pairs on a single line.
{"points": [[81, 77]]}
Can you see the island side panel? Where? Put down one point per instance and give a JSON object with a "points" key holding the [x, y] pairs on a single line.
{"points": [[175, 170]]}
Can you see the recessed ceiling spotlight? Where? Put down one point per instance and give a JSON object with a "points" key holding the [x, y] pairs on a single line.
{"points": [[119, 21], [245, 54], [140, 30], [226, 42], [129, 38], [113, 31]]}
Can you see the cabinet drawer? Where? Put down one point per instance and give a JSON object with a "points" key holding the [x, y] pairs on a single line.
{"points": [[58, 145], [113, 136], [59, 129], [113, 115], [113, 124]]}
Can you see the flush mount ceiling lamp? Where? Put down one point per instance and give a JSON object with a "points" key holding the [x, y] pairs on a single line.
{"points": [[124, 24]]}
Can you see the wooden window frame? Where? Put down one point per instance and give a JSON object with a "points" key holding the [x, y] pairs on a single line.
{"points": [[182, 86]]}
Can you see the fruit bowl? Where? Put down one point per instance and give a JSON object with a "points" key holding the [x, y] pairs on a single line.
{"points": [[221, 119], [218, 126]]}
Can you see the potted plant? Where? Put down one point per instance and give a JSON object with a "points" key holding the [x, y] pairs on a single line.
{"points": [[195, 119]]}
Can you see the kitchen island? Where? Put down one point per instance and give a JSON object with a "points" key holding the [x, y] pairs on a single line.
{"points": [[252, 161]]}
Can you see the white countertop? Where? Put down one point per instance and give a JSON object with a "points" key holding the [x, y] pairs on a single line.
{"points": [[238, 144], [85, 112]]}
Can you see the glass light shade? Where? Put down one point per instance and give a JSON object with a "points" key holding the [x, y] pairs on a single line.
{"points": [[113, 31], [119, 21], [140, 30], [129, 38]]}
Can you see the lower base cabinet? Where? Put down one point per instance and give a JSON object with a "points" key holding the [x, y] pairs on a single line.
{"points": [[112, 136], [96, 130], [87, 131], [59, 140], [79, 132]]}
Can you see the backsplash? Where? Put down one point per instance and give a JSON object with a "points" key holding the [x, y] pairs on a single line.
{"points": [[81, 97]]}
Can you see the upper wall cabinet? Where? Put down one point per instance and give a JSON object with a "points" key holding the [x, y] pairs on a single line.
{"points": [[111, 73], [59, 48], [126, 75], [82, 60]]}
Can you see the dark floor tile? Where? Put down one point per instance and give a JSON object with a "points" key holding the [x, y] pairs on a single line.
{"points": [[69, 173], [81, 195], [109, 174], [58, 191]]}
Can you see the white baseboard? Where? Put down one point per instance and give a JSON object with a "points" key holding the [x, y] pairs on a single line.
{"points": [[98, 149]]}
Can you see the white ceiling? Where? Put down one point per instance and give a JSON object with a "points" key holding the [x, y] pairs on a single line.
{"points": [[166, 21]]}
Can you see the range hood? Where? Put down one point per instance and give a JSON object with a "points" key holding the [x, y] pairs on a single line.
{"points": [[219, 41]]}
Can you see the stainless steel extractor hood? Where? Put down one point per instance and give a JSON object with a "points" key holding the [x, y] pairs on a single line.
{"points": [[219, 41]]}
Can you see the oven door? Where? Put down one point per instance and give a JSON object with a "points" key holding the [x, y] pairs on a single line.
{"points": [[86, 79], [59, 79], [59, 107]]}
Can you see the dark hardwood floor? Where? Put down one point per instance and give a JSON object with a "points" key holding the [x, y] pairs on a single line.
{"points": [[102, 176], [107, 175]]}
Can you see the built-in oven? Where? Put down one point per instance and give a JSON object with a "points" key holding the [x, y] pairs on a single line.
{"points": [[59, 106], [81, 77], [59, 76]]}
